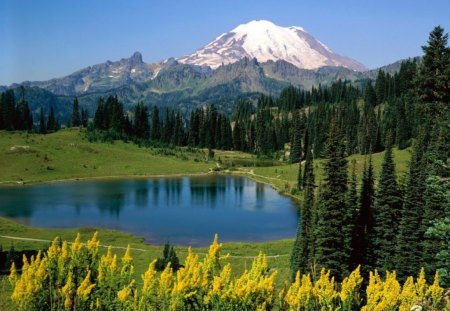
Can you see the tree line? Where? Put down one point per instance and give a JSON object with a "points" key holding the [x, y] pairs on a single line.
{"points": [[395, 226]]}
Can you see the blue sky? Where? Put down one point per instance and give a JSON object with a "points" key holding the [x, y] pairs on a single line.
{"points": [[47, 39]]}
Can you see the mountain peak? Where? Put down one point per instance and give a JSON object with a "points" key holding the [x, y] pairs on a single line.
{"points": [[136, 58], [263, 40]]}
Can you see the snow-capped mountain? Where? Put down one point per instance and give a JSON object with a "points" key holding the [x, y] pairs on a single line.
{"points": [[266, 41]]}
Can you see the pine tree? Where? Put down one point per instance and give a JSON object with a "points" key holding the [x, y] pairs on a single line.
{"points": [[436, 208], [433, 82], [140, 126], [299, 175], [42, 126], [370, 96], [23, 117], [329, 250], [302, 253], [84, 118], [350, 216], [156, 126], [75, 120], [410, 236], [296, 144], [362, 247], [387, 211]]}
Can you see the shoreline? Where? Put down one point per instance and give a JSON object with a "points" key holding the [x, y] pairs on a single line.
{"points": [[250, 175], [87, 178]]}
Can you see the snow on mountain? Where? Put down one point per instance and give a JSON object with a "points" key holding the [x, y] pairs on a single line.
{"points": [[266, 41]]}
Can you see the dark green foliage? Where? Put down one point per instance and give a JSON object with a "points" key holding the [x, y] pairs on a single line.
{"points": [[155, 132], [350, 217], [363, 232], [433, 81], [141, 128], [84, 118], [387, 212], [22, 117], [439, 232], [368, 130], [7, 110], [409, 241], [437, 207], [169, 256], [296, 144], [332, 205], [42, 126], [75, 119], [302, 257], [52, 124], [370, 96]]}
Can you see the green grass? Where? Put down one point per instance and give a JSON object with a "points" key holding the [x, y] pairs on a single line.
{"points": [[284, 177], [68, 155]]}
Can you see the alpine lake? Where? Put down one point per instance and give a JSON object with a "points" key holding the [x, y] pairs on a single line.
{"points": [[182, 210]]}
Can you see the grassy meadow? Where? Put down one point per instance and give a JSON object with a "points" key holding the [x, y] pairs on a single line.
{"points": [[67, 155]]}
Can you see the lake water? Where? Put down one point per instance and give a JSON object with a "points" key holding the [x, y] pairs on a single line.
{"points": [[185, 210]]}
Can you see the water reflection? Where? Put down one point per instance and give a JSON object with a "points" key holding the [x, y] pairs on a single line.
{"points": [[187, 210]]}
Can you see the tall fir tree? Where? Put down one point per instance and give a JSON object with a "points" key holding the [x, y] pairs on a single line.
{"points": [[387, 212], [296, 144], [84, 118], [23, 117], [410, 236], [42, 125], [155, 132], [350, 215], [141, 126], [362, 240], [433, 81], [302, 257], [75, 120], [332, 205]]}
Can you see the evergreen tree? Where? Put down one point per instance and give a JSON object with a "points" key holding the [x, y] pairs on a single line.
{"points": [[433, 81], [237, 136], [296, 144], [350, 216], [23, 117], [42, 126], [299, 175], [387, 212], [75, 120], [156, 126], [84, 118], [362, 240], [302, 253], [140, 126], [410, 236], [436, 208], [370, 96], [329, 239]]}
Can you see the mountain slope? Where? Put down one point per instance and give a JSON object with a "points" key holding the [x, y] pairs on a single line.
{"points": [[266, 41], [101, 77]]}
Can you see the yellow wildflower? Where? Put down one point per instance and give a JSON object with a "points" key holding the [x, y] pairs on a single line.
{"points": [[421, 285], [85, 288], [435, 291], [13, 274], [127, 259], [408, 296], [350, 288], [77, 245], [93, 244]]}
